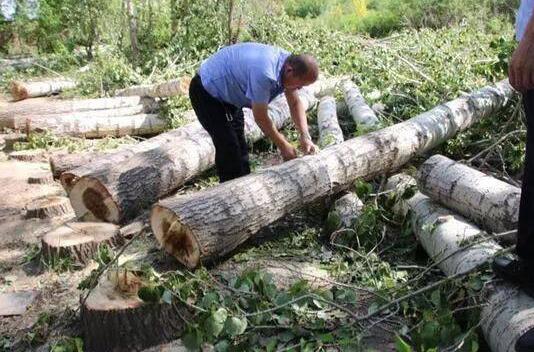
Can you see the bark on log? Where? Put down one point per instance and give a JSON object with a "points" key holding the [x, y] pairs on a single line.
{"points": [[359, 110], [25, 90], [115, 319], [31, 155], [79, 240], [61, 163], [118, 192], [49, 207], [509, 312], [329, 131], [98, 127], [44, 178], [171, 88], [22, 122], [47, 106], [211, 223], [487, 201]]}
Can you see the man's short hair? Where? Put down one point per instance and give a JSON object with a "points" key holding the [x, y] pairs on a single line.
{"points": [[304, 65]]}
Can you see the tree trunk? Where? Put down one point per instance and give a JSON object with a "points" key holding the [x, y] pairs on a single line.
{"points": [[44, 178], [132, 23], [20, 122], [487, 201], [49, 207], [46, 106], [79, 240], [25, 90], [97, 127], [171, 88], [329, 131], [208, 224], [115, 319], [118, 192], [508, 312], [359, 110], [61, 163]]}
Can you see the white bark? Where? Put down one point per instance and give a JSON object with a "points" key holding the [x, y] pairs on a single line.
{"points": [[509, 312], [347, 209], [359, 110], [171, 88], [487, 201], [329, 131], [25, 90], [211, 223], [118, 191], [46, 106]]}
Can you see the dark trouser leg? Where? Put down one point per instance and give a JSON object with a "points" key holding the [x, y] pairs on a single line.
{"points": [[239, 127], [525, 233], [213, 115]]}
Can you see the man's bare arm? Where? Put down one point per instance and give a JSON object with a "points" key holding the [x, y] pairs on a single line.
{"points": [[522, 64], [298, 115], [261, 116]]}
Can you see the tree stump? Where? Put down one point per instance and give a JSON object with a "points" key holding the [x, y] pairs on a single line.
{"points": [[49, 207]]}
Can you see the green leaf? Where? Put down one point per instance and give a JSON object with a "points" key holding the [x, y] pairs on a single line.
{"points": [[401, 345], [235, 326], [192, 340], [222, 346], [214, 324], [150, 294]]}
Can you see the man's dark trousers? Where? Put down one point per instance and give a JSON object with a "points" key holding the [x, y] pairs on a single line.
{"points": [[525, 233], [225, 124]]}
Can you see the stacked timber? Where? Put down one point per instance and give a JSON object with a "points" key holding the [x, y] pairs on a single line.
{"points": [[458, 246], [160, 90], [117, 187], [210, 223], [24, 90]]}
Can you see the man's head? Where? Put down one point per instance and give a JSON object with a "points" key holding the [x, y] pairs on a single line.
{"points": [[299, 71]]}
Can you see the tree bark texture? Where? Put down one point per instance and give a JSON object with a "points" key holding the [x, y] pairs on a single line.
{"points": [[487, 201], [171, 88], [208, 224], [118, 191], [25, 90], [359, 110], [329, 131]]}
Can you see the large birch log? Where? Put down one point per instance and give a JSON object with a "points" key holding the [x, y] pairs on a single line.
{"points": [[208, 224], [448, 239], [329, 131], [118, 192], [97, 127], [487, 201], [60, 163], [171, 88], [47, 106], [359, 110], [25, 90]]}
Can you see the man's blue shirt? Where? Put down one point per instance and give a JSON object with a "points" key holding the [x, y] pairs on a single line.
{"points": [[245, 73]]}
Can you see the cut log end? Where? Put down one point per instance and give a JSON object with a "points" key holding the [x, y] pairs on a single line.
{"points": [[91, 201], [177, 239], [19, 91], [79, 241], [49, 207], [44, 178]]}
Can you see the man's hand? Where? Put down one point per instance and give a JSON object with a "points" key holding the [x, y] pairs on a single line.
{"points": [[288, 151], [307, 146], [521, 70]]}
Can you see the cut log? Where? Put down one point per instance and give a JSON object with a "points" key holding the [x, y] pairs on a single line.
{"points": [[12, 138], [114, 318], [487, 201], [31, 155], [25, 90], [49, 207], [79, 240], [329, 131], [33, 121], [210, 223], [117, 192], [98, 127], [509, 313], [160, 90], [344, 212], [361, 112], [43, 178], [61, 163], [47, 106]]}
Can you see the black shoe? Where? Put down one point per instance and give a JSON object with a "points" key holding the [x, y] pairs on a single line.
{"points": [[525, 342], [516, 272]]}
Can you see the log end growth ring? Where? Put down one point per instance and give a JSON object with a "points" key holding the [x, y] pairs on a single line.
{"points": [[91, 201], [175, 237], [18, 91]]}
